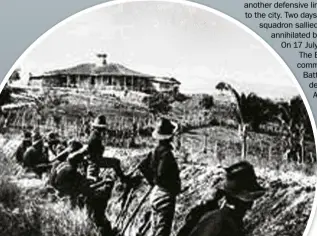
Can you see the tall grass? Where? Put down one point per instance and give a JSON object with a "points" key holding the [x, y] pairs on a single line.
{"points": [[26, 212]]}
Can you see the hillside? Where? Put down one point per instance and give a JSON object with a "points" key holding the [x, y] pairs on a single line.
{"points": [[284, 210]]}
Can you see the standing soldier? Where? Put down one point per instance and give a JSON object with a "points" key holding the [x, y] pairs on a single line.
{"points": [[26, 143], [161, 171], [241, 189]]}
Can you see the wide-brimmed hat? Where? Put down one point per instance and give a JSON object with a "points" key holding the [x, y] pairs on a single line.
{"points": [[72, 146], [52, 137], [100, 122], [27, 135], [241, 182], [89, 113], [165, 129], [36, 136]]}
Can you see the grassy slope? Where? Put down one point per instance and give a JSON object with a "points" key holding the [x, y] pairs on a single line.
{"points": [[283, 211], [28, 208]]}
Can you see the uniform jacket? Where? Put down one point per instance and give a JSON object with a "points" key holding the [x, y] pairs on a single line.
{"points": [[95, 146], [65, 178], [160, 168], [21, 150], [95, 151], [221, 222], [33, 156], [196, 213]]}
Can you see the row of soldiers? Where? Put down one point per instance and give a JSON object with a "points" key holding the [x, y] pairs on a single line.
{"points": [[74, 168], [75, 171]]}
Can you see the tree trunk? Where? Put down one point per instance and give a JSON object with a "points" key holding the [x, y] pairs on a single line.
{"points": [[243, 136], [302, 150]]}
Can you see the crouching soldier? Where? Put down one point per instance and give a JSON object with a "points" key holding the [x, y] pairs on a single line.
{"points": [[26, 143], [94, 152], [65, 176], [34, 158], [97, 204], [241, 189], [68, 180], [161, 171]]}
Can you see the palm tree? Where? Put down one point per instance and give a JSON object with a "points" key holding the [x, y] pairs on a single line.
{"points": [[251, 110], [241, 115], [295, 123]]}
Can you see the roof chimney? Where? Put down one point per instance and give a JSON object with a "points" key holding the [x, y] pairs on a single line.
{"points": [[103, 57]]}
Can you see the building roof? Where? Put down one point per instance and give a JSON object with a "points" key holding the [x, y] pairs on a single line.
{"points": [[81, 69], [166, 80], [108, 69], [93, 69]]}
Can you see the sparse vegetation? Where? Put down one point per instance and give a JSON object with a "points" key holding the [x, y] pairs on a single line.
{"points": [[15, 76], [207, 102], [31, 209], [28, 210]]}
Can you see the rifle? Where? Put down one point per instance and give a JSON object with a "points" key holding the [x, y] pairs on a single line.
{"points": [[99, 184], [135, 212], [127, 196]]}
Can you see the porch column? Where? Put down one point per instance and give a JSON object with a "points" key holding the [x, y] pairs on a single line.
{"points": [[78, 81], [68, 81], [101, 80], [89, 82]]}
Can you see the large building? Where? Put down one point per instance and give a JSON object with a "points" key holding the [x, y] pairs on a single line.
{"points": [[107, 76]]}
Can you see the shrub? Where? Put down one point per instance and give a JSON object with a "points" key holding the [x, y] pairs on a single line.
{"points": [[9, 193], [38, 217], [207, 102]]}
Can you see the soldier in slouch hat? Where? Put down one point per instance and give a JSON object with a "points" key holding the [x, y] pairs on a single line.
{"points": [[94, 152], [240, 189], [161, 171]]}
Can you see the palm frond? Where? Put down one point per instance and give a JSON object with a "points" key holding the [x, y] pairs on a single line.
{"points": [[228, 87]]}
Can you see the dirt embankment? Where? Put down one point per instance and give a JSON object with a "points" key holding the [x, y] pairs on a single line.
{"points": [[286, 207], [284, 210]]}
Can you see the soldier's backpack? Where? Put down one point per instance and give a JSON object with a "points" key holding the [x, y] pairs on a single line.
{"points": [[64, 178]]}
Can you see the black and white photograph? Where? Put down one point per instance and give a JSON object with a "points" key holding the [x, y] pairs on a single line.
{"points": [[154, 118]]}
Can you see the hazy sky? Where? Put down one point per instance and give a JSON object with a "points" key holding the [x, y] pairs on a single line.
{"points": [[197, 47]]}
